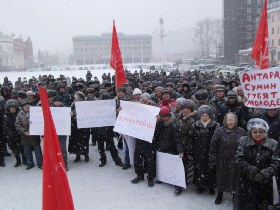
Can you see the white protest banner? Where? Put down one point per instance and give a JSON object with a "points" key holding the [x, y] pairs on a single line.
{"points": [[137, 120], [170, 169], [61, 117], [98, 113], [261, 88]]}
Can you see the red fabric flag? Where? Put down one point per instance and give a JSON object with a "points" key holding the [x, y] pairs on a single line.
{"points": [[260, 48], [116, 59], [56, 190]]}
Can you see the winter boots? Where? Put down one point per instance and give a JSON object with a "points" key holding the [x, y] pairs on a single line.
{"points": [[86, 158], [102, 163], [178, 190], [18, 163], [137, 179], [219, 198], [77, 159]]}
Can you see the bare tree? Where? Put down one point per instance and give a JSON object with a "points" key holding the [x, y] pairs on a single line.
{"points": [[209, 35]]}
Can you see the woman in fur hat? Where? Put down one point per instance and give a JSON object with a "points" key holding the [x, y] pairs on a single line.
{"points": [[199, 139], [258, 161]]}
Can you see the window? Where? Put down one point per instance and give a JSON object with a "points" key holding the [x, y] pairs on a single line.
{"points": [[272, 42], [278, 30], [272, 18], [278, 56], [272, 31], [279, 42]]}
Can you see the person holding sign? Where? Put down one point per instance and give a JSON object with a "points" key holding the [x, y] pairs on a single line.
{"points": [[79, 139], [167, 133], [144, 155], [29, 142]]}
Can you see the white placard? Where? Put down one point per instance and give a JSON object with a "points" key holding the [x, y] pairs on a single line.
{"points": [[131, 143], [170, 169], [98, 113], [61, 117], [137, 120], [261, 88]]}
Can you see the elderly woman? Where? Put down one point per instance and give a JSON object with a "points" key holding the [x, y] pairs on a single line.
{"points": [[79, 139], [222, 152], [199, 139], [257, 160]]}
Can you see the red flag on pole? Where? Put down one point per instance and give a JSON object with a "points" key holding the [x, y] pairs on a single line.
{"points": [[56, 190], [116, 59], [260, 48]]}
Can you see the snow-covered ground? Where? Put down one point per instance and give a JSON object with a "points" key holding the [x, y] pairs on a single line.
{"points": [[94, 188]]}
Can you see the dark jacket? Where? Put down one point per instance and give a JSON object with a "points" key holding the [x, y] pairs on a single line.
{"points": [[198, 147], [167, 135], [252, 194], [222, 152], [274, 125]]}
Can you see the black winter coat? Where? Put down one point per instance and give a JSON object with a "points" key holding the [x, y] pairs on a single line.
{"points": [[13, 138], [222, 152], [167, 135], [198, 147], [251, 194]]}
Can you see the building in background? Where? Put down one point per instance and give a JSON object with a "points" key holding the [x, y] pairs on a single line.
{"points": [[274, 31], [15, 53], [97, 49], [240, 17]]}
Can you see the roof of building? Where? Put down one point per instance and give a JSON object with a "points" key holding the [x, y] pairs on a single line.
{"points": [[108, 36]]}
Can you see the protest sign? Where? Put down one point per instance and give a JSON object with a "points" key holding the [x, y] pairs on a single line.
{"points": [[170, 169], [137, 120], [61, 117], [98, 113], [261, 88]]}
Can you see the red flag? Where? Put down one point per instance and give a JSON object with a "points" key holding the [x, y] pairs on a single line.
{"points": [[260, 48], [116, 59], [56, 190]]}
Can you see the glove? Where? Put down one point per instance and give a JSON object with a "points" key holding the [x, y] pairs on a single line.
{"points": [[253, 172], [266, 175], [258, 177]]}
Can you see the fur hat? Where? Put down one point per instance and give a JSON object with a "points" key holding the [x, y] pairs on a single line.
{"points": [[188, 103], [205, 109], [137, 91], [24, 102], [180, 101], [80, 95], [231, 94], [145, 95], [257, 123], [201, 95]]}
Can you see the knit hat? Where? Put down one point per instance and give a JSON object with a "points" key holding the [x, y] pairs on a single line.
{"points": [[188, 103], [257, 123], [205, 109], [231, 94], [159, 88], [164, 111], [165, 90], [137, 91], [145, 95]]}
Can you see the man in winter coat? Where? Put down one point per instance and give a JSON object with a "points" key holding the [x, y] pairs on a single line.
{"points": [[29, 142]]}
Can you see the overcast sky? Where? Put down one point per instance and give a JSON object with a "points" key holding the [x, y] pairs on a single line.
{"points": [[51, 24]]}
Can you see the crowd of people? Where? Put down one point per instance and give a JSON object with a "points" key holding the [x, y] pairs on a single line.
{"points": [[223, 144]]}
